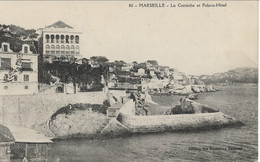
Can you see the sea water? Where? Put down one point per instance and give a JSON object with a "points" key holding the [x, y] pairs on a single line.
{"points": [[226, 144]]}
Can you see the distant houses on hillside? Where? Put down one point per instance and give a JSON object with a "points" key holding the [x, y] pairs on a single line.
{"points": [[60, 43]]}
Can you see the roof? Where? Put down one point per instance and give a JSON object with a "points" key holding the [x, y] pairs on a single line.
{"points": [[6, 135], [28, 135], [59, 24]]}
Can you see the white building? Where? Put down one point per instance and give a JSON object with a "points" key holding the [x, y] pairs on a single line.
{"points": [[18, 71], [140, 72], [59, 39]]}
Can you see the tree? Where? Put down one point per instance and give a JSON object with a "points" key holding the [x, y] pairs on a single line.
{"points": [[100, 60], [153, 62]]}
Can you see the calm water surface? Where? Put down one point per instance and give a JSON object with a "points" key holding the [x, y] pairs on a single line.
{"points": [[237, 101]]}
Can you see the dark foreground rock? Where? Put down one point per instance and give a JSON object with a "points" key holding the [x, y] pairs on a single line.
{"points": [[188, 106]]}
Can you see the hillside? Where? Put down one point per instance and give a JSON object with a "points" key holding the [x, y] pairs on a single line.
{"points": [[237, 75], [16, 36]]}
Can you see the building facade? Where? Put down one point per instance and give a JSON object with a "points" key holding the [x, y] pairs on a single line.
{"points": [[18, 71], [59, 39]]}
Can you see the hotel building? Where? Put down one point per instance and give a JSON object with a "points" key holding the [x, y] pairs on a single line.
{"points": [[59, 39]]}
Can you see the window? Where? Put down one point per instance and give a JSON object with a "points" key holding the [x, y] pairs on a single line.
{"points": [[67, 49], [77, 49], [77, 39], [72, 38], [5, 48], [57, 38], [26, 77], [5, 63], [25, 49], [26, 87], [52, 49], [47, 38], [52, 38], [5, 87], [26, 66], [67, 38], [62, 39], [57, 49], [47, 47]]}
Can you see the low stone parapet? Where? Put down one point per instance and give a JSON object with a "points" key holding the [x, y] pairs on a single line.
{"points": [[159, 123]]}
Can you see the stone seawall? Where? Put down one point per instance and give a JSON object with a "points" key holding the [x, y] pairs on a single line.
{"points": [[160, 123], [28, 110]]}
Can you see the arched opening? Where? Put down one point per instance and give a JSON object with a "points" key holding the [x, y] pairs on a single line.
{"points": [[52, 38], [57, 39], [67, 49], [57, 49], [47, 47], [77, 39], [72, 38], [52, 49], [72, 50], [67, 38], [77, 49], [59, 90], [62, 39], [25, 50], [62, 49], [47, 37], [5, 48]]}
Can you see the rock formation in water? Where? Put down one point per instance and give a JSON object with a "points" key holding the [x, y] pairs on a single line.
{"points": [[188, 89], [192, 96], [190, 107]]}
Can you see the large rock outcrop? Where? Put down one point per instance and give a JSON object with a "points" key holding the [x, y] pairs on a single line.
{"points": [[188, 89], [190, 107], [80, 122], [78, 119]]}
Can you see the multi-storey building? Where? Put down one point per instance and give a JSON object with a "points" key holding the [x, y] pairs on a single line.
{"points": [[18, 71], [59, 39]]}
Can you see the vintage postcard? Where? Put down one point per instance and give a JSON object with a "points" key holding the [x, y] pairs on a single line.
{"points": [[128, 81]]}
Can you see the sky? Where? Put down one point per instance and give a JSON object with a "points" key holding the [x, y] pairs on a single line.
{"points": [[194, 40]]}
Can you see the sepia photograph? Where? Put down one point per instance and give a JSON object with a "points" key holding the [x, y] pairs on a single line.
{"points": [[129, 81]]}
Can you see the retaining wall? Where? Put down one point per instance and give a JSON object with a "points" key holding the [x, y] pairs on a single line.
{"points": [[128, 108], [27, 110]]}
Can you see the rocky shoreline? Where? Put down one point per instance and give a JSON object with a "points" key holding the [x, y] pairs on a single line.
{"points": [[86, 123], [186, 90]]}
